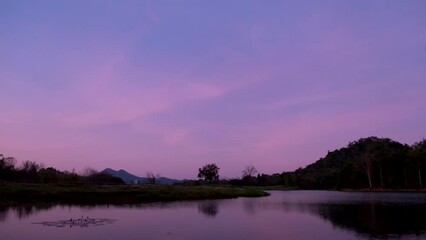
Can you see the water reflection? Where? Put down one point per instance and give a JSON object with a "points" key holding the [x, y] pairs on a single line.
{"points": [[366, 215], [379, 215], [23, 211], [3, 213], [374, 219], [249, 206], [208, 208]]}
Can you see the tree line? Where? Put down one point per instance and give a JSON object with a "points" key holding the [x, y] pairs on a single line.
{"points": [[374, 163], [32, 172]]}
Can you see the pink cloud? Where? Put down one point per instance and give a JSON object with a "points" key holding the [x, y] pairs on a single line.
{"points": [[175, 136], [105, 99]]}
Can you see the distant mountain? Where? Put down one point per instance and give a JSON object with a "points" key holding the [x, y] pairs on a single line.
{"points": [[131, 179], [125, 176]]}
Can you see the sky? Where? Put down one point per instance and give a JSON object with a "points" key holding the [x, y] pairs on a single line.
{"points": [[168, 86]]}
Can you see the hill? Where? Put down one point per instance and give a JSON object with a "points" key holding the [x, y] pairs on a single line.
{"points": [[367, 163], [132, 179]]}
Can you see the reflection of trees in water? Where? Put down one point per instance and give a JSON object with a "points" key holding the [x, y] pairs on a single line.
{"points": [[3, 213], [208, 208], [250, 206], [24, 211], [369, 218]]}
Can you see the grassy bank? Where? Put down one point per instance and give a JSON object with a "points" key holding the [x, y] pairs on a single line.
{"points": [[122, 194]]}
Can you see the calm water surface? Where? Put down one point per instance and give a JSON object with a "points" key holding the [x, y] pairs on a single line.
{"points": [[283, 215]]}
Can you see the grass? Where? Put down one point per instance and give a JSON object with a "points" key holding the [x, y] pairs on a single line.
{"points": [[121, 194]]}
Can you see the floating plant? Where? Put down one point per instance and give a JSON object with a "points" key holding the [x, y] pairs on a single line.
{"points": [[79, 222]]}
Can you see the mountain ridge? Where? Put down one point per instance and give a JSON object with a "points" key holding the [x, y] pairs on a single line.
{"points": [[134, 179]]}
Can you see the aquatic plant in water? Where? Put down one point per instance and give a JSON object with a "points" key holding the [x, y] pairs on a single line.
{"points": [[79, 222]]}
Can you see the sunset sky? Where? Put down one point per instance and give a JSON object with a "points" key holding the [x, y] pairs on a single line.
{"points": [[168, 86]]}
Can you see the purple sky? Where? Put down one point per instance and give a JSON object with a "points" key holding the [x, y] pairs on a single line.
{"points": [[168, 86]]}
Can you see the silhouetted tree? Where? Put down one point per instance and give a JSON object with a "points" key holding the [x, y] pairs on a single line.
{"points": [[371, 152], [209, 172], [152, 178], [7, 163], [249, 174], [29, 170], [249, 171], [367, 167], [418, 156], [49, 175], [70, 177], [363, 163], [88, 171], [7, 167]]}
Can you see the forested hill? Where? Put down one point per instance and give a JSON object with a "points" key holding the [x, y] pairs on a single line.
{"points": [[375, 163], [367, 163]]}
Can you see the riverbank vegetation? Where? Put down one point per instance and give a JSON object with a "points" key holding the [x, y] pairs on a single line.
{"points": [[13, 193], [378, 164], [32, 172], [369, 163]]}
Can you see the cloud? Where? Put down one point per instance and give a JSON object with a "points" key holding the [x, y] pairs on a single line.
{"points": [[110, 93], [110, 106], [175, 136]]}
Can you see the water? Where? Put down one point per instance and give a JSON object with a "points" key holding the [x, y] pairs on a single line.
{"points": [[283, 215]]}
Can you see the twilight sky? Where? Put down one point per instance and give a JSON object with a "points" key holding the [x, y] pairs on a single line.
{"points": [[167, 86]]}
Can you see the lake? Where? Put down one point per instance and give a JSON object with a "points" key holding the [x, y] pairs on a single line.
{"points": [[282, 215]]}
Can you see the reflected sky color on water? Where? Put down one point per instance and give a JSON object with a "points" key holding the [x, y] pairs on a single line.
{"points": [[283, 215]]}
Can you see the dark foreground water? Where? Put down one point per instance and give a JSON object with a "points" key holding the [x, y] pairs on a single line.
{"points": [[283, 215]]}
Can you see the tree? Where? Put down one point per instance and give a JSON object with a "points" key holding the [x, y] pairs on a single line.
{"points": [[88, 171], [49, 175], [374, 151], [29, 166], [249, 175], [7, 163], [152, 178], [209, 172], [418, 156], [367, 167], [249, 171], [384, 152], [30, 170], [405, 162], [7, 167]]}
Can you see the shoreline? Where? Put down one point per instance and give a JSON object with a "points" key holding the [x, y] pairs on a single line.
{"points": [[277, 188], [423, 190], [12, 193]]}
